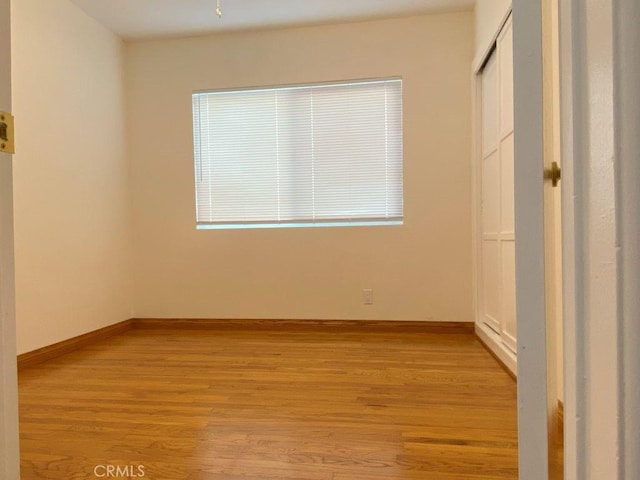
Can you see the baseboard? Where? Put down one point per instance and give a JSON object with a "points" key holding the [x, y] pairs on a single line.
{"points": [[49, 352], [292, 324], [497, 349], [43, 354]]}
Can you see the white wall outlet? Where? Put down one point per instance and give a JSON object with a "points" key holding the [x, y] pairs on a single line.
{"points": [[367, 296]]}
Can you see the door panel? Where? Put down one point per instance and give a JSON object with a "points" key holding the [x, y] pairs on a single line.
{"points": [[506, 185], [491, 283], [491, 194], [508, 282], [490, 107], [505, 42]]}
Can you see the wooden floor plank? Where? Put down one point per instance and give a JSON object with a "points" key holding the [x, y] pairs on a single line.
{"points": [[299, 404]]}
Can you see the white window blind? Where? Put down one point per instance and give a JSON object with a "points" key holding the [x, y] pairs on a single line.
{"points": [[299, 156]]}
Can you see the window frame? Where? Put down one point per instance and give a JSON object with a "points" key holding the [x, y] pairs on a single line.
{"points": [[395, 220]]}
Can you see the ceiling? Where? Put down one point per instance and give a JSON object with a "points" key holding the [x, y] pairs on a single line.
{"points": [[138, 19]]}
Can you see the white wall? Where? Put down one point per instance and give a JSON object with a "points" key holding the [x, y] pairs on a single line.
{"points": [[71, 191], [419, 271], [489, 16]]}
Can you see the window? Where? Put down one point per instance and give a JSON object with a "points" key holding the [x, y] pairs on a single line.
{"points": [[311, 155]]}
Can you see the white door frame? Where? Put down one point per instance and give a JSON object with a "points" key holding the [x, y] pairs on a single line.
{"points": [[627, 100], [600, 67], [9, 451]]}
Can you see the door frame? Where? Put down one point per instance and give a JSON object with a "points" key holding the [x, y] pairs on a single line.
{"points": [[9, 450], [600, 118], [627, 101], [601, 237]]}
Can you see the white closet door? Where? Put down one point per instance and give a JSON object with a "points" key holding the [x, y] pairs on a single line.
{"points": [[491, 304], [497, 254]]}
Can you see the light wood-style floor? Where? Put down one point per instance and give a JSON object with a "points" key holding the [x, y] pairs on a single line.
{"points": [[286, 404]]}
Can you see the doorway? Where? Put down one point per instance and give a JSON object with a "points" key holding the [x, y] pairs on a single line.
{"points": [[528, 37]]}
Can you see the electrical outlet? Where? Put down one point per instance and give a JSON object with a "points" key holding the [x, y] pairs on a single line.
{"points": [[367, 296]]}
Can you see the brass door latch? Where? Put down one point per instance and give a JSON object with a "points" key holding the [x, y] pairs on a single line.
{"points": [[554, 174], [6, 133]]}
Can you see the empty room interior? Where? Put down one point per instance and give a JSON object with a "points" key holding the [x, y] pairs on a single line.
{"points": [[273, 241]]}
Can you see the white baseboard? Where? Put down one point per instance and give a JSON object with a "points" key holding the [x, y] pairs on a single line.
{"points": [[492, 340]]}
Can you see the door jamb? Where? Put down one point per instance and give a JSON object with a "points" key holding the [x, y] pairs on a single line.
{"points": [[9, 451]]}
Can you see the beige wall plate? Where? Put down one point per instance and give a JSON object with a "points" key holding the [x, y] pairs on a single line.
{"points": [[6, 133]]}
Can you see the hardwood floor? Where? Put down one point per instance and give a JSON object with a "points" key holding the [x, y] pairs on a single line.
{"points": [[282, 404]]}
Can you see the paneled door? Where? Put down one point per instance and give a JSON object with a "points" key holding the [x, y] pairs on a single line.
{"points": [[497, 283]]}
